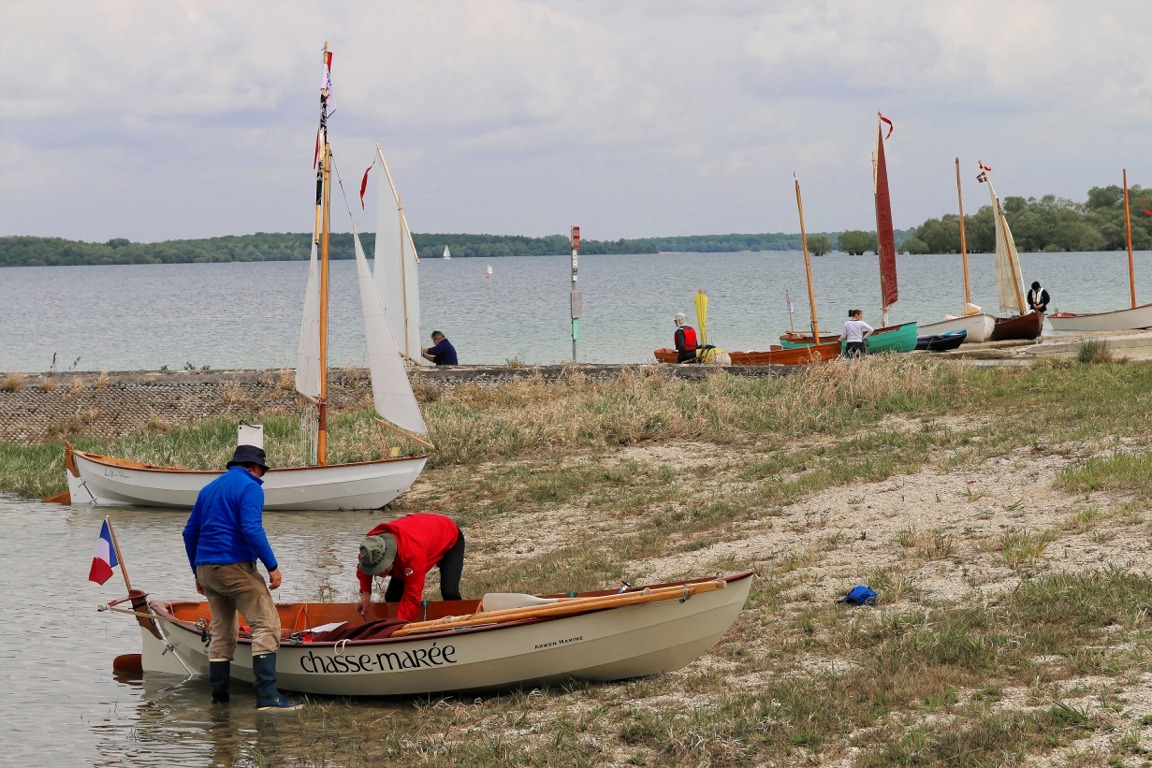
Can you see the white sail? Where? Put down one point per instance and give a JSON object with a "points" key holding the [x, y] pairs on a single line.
{"points": [[395, 263], [1009, 282], [308, 353], [391, 391], [447, 253]]}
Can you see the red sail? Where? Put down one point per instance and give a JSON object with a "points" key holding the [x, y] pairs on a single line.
{"points": [[885, 239]]}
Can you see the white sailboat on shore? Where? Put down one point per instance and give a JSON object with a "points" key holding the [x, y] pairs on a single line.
{"points": [[977, 324], [317, 485], [1135, 317]]}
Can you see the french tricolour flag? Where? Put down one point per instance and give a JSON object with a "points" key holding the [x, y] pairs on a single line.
{"points": [[105, 558]]}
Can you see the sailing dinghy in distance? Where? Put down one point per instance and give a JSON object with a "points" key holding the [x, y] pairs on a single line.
{"points": [[318, 485]]}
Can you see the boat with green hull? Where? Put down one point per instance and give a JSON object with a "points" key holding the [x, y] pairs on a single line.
{"points": [[893, 338]]}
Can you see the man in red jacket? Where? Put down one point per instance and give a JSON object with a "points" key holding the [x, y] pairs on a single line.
{"points": [[407, 548]]}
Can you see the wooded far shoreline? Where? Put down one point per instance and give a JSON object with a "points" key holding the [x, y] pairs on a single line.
{"points": [[1047, 224]]}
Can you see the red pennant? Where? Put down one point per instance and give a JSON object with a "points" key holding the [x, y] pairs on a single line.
{"points": [[890, 126], [364, 185]]}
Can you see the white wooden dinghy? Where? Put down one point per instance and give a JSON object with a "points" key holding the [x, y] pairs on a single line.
{"points": [[595, 636]]}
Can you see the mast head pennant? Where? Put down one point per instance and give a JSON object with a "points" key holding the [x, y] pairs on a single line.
{"points": [[886, 120]]}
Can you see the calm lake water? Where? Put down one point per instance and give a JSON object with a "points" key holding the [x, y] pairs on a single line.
{"points": [[61, 705], [227, 316]]}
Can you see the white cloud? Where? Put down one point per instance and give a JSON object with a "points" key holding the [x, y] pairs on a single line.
{"points": [[186, 119]]}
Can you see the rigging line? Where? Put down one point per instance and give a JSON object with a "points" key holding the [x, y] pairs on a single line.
{"points": [[343, 193]]}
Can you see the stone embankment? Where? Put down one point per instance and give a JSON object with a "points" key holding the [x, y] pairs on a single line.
{"points": [[41, 407]]}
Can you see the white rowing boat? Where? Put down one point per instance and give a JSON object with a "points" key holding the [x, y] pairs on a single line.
{"points": [[595, 636]]}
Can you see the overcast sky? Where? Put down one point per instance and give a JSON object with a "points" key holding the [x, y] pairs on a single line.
{"points": [[164, 120]]}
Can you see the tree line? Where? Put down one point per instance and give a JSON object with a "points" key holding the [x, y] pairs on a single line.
{"points": [[1038, 225]]}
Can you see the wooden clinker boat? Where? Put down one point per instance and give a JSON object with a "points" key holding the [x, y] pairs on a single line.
{"points": [[1024, 327], [777, 355], [1118, 320], [892, 338], [107, 481], [595, 636]]}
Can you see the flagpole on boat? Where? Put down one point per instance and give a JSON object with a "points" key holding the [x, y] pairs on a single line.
{"points": [[119, 556], [323, 231], [807, 263], [963, 243], [1128, 229]]}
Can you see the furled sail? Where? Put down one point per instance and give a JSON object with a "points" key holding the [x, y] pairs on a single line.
{"points": [[308, 354], [395, 263], [885, 237], [391, 390]]}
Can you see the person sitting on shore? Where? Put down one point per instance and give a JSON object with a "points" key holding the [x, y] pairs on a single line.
{"points": [[441, 352], [684, 339]]}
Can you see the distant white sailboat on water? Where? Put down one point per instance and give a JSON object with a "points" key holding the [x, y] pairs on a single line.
{"points": [[447, 253]]}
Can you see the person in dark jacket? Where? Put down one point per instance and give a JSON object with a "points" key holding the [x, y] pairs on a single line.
{"points": [[685, 339], [441, 352], [1038, 298], [224, 538], [407, 549]]}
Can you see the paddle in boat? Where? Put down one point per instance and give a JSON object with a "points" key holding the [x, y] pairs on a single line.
{"points": [[1025, 324], [316, 485], [976, 324], [1135, 317], [504, 640]]}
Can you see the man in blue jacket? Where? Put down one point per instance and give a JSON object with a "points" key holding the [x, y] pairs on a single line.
{"points": [[441, 352], [224, 537]]}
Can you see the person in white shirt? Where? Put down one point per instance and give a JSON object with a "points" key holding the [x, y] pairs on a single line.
{"points": [[855, 334]]}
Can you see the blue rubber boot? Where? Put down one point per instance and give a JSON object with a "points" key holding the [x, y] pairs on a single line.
{"points": [[267, 697], [218, 674]]}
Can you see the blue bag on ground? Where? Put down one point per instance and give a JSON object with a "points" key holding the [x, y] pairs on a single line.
{"points": [[861, 595]]}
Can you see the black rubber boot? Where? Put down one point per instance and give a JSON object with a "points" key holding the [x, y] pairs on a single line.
{"points": [[267, 697], [218, 674]]}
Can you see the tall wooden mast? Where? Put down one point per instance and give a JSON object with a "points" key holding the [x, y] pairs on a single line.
{"points": [[1128, 230], [807, 265], [963, 242], [322, 231]]}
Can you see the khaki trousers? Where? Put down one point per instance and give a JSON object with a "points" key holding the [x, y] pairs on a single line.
{"points": [[239, 587]]}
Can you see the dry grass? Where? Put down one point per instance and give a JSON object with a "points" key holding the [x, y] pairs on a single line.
{"points": [[1012, 564], [13, 382]]}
